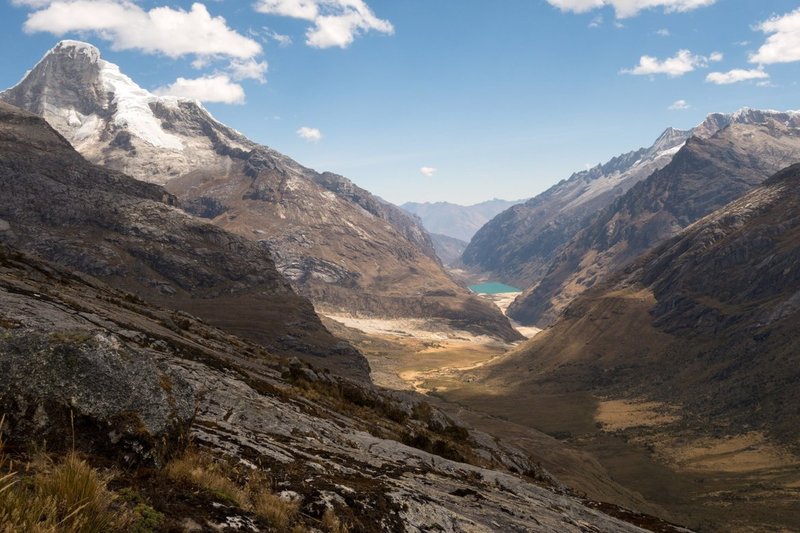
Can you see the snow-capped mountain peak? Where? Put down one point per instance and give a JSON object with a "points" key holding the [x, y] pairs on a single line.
{"points": [[109, 118], [76, 47]]}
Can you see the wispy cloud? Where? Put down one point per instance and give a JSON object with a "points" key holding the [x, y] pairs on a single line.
{"points": [[736, 75], [681, 63], [427, 171], [335, 22], [309, 134], [217, 89], [248, 69], [679, 105], [629, 8]]}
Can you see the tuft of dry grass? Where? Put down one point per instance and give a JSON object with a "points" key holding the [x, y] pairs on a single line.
{"points": [[332, 524], [278, 512], [65, 497], [256, 496], [202, 471]]}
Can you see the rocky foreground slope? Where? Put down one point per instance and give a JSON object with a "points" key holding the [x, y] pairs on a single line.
{"points": [[130, 234], [704, 175], [707, 321], [347, 250], [96, 369]]}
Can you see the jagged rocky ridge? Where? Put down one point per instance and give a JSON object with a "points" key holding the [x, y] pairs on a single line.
{"points": [[129, 233], [707, 321], [347, 250], [519, 244], [704, 175]]}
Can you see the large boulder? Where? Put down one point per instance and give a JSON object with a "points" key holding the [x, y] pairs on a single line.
{"points": [[92, 391]]}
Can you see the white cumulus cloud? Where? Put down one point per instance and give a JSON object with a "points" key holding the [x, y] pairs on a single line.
{"points": [[629, 8], [309, 134], [165, 30], [736, 75], [681, 63], [783, 43], [216, 89], [679, 105], [427, 171], [335, 22]]}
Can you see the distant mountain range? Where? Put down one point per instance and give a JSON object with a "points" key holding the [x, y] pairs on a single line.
{"points": [[345, 249], [457, 221]]}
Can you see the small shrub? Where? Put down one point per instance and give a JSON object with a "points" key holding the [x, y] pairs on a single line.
{"points": [[146, 519]]}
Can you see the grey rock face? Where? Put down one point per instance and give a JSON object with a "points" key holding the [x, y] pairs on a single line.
{"points": [[448, 249]]}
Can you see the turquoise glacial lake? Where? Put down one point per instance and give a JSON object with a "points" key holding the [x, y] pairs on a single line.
{"points": [[493, 287]]}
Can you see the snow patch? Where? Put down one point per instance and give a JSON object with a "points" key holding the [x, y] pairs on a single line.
{"points": [[133, 108], [671, 152]]}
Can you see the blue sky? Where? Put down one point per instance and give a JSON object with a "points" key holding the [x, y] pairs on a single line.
{"points": [[427, 100]]}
